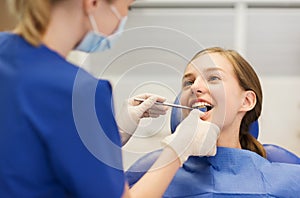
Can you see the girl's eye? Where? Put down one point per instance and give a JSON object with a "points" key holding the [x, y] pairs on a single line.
{"points": [[213, 78], [187, 83]]}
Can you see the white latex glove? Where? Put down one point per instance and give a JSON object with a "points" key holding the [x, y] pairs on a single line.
{"points": [[193, 137], [132, 111]]}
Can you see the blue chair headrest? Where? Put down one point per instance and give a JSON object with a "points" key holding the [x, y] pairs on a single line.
{"points": [[176, 118], [276, 153]]}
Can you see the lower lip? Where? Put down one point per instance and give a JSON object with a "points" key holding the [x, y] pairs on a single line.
{"points": [[205, 116]]}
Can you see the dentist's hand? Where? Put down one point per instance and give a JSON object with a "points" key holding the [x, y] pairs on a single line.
{"points": [[193, 137], [132, 111]]}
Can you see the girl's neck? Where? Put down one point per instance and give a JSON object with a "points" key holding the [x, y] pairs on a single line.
{"points": [[229, 136], [229, 140]]}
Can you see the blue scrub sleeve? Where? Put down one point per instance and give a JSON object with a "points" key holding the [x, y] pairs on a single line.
{"points": [[80, 135]]}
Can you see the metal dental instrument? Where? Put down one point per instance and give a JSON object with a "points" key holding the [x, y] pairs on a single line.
{"points": [[201, 108]]}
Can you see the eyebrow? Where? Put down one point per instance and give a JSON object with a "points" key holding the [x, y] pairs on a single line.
{"points": [[214, 69], [187, 75]]}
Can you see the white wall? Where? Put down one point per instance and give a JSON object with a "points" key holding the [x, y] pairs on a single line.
{"points": [[162, 36], [281, 112]]}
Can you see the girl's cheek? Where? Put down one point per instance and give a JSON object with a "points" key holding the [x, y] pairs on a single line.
{"points": [[219, 97]]}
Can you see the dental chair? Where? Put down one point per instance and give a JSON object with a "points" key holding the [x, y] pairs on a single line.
{"points": [[139, 168]]}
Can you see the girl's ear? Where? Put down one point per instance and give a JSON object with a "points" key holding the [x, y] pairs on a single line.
{"points": [[249, 101]]}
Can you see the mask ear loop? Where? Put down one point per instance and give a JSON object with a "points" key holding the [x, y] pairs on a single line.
{"points": [[116, 12], [93, 23]]}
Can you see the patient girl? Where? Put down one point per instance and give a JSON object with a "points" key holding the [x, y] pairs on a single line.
{"points": [[228, 86]]}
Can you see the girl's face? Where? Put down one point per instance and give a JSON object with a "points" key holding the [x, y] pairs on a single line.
{"points": [[210, 80]]}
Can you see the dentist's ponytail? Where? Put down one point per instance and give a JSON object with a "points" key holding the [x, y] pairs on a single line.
{"points": [[33, 18]]}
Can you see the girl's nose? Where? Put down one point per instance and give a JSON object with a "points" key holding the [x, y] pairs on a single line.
{"points": [[199, 86]]}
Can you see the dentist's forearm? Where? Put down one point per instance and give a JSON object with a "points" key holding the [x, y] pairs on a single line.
{"points": [[156, 181]]}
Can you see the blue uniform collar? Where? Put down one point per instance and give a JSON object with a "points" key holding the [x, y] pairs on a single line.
{"points": [[226, 159], [235, 173]]}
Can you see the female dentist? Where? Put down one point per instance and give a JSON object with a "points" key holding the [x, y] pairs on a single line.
{"points": [[44, 150]]}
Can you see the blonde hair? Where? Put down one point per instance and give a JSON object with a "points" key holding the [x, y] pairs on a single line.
{"points": [[33, 17], [248, 80]]}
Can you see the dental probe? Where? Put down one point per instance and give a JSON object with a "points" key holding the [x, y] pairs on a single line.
{"points": [[201, 108]]}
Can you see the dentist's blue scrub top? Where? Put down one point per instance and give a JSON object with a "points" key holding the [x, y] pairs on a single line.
{"points": [[58, 136]]}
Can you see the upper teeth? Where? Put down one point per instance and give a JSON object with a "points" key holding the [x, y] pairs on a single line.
{"points": [[199, 104]]}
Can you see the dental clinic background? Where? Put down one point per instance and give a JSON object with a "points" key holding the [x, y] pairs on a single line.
{"points": [[161, 36]]}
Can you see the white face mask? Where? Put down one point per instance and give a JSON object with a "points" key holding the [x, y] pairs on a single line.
{"points": [[95, 41]]}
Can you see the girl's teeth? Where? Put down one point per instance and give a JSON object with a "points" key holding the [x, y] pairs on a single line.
{"points": [[199, 104]]}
